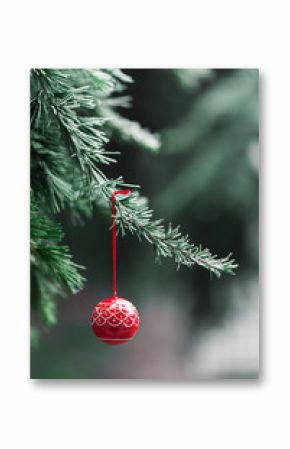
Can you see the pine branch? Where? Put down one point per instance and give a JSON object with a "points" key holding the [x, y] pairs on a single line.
{"points": [[54, 108], [134, 215], [100, 85], [52, 172], [44, 249], [52, 265], [86, 141], [128, 131]]}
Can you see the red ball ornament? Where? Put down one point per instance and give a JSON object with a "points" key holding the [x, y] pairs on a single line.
{"points": [[115, 320]]}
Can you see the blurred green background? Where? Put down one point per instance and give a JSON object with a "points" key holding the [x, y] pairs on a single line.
{"points": [[204, 178]]}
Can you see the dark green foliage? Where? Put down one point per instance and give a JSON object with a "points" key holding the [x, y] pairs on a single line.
{"points": [[73, 115], [217, 149], [52, 267]]}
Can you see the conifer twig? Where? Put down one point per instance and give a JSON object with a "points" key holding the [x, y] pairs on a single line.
{"points": [[86, 141]]}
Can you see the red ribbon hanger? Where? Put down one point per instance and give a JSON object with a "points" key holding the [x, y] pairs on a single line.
{"points": [[114, 239]]}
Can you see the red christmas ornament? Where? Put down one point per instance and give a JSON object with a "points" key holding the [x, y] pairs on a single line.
{"points": [[115, 320]]}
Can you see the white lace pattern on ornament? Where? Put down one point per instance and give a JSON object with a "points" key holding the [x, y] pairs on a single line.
{"points": [[115, 315]]}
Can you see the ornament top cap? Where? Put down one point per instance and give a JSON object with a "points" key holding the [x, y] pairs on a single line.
{"points": [[121, 192]]}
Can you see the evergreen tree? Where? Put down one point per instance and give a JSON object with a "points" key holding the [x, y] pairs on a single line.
{"points": [[73, 116]]}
